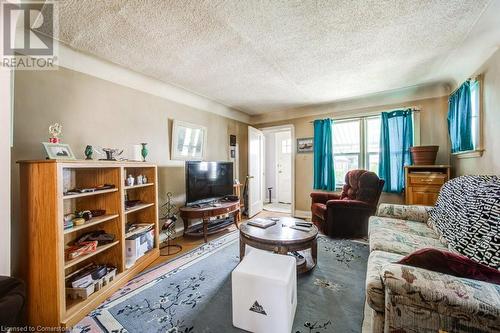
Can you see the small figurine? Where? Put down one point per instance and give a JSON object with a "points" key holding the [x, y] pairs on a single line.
{"points": [[89, 151], [111, 154], [55, 130], [130, 180]]}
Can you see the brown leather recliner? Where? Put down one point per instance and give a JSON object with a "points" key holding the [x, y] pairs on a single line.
{"points": [[346, 215]]}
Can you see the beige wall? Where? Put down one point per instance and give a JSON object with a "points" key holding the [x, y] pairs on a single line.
{"points": [[102, 113], [489, 163], [433, 130]]}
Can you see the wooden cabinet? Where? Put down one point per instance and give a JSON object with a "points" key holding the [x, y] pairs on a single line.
{"points": [[423, 183], [45, 202]]}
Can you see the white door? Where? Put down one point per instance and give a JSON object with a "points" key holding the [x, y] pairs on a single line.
{"points": [[284, 166], [255, 171]]}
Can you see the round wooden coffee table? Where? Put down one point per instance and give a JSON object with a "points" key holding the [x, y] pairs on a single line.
{"points": [[282, 239]]}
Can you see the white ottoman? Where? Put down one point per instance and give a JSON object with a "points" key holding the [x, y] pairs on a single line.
{"points": [[264, 287]]}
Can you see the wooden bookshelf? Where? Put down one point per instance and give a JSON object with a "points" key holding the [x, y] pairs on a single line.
{"points": [[43, 206]]}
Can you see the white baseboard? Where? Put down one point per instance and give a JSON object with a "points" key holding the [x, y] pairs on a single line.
{"points": [[303, 214]]}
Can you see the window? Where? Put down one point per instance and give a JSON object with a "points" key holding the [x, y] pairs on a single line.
{"points": [[372, 143], [286, 146], [355, 146], [464, 119], [346, 148]]}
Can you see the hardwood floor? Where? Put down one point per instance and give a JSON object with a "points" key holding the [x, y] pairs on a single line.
{"points": [[189, 243]]}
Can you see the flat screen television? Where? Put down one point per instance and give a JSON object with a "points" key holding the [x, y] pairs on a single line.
{"points": [[208, 181]]}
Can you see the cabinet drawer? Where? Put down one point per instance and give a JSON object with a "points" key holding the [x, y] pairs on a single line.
{"points": [[427, 179]]}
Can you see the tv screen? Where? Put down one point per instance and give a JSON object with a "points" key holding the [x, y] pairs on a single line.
{"points": [[206, 181]]}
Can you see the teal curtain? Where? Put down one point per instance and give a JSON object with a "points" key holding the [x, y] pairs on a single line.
{"points": [[324, 174], [396, 138], [460, 119]]}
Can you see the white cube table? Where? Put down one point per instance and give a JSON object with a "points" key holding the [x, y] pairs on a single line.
{"points": [[264, 287]]}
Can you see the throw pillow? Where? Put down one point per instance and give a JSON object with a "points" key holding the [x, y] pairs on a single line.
{"points": [[452, 264]]}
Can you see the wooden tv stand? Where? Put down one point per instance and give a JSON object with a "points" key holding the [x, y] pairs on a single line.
{"points": [[205, 213]]}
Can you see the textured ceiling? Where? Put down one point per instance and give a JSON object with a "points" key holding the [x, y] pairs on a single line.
{"points": [[260, 56]]}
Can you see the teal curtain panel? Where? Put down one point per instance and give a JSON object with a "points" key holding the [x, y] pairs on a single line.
{"points": [[460, 119], [396, 138], [324, 175]]}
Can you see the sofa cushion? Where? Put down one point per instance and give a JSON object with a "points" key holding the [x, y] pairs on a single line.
{"points": [[451, 263], [467, 215], [395, 241], [318, 209], [410, 227], [375, 292]]}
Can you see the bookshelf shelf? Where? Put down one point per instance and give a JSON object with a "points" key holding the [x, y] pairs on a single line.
{"points": [[138, 186], [138, 207], [102, 248], [93, 221], [89, 194]]}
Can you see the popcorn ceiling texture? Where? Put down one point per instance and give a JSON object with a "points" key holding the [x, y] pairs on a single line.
{"points": [[260, 56]]}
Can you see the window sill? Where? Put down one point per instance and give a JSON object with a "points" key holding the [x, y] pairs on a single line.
{"points": [[469, 154]]}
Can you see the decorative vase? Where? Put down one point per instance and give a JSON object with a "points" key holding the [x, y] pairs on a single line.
{"points": [[424, 155], [89, 151], [144, 151]]}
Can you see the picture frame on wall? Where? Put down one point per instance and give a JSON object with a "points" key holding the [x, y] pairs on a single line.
{"points": [[188, 141], [305, 145], [58, 151]]}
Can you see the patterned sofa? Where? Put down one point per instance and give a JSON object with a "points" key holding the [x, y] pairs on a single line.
{"points": [[404, 299]]}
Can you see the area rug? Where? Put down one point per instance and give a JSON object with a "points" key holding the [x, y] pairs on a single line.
{"points": [[193, 293]]}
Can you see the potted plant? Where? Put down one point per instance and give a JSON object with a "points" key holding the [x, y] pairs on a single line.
{"points": [[424, 155]]}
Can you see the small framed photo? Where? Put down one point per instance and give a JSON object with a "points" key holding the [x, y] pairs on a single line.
{"points": [[305, 145], [58, 151]]}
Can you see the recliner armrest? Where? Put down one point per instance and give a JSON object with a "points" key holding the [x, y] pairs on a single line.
{"points": [[350, 204], [323, 197]]}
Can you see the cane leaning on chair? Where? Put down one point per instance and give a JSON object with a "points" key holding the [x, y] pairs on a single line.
{"points": [[346, 214]]}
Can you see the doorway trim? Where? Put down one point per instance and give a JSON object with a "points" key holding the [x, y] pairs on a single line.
{"points": [[282, 128]]}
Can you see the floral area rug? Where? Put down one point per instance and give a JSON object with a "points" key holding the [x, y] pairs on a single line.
{"points": [[193, 293]]}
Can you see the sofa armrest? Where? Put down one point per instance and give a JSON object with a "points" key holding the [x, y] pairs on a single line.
{"points": [[405, 212], [323, 197], [447, 295]]}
